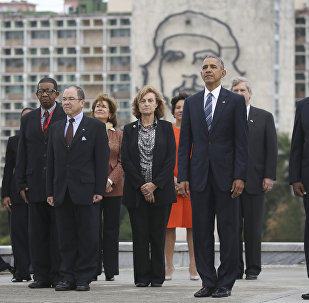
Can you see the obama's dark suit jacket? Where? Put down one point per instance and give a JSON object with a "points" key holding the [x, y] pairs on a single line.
{"points": [[211, 161]]}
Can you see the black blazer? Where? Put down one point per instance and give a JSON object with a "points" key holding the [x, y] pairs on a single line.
{"points": [[299, 155], [82, 168], [9, 188], [224, 147], [164, 157], [32, 154], [262, 149]]}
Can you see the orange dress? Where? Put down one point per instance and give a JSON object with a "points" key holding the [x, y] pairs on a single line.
{"points": [[181, 212]]}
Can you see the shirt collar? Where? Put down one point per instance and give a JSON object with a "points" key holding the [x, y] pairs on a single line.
{"points": [[77, 118], [154, 124], [49, 110], [215, 92]]}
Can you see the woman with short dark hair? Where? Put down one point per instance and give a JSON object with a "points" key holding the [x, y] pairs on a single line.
{"points": [[104, 108]]}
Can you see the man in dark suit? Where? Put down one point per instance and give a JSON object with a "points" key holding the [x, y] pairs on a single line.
{"points": [[18, 211], [212, 160], [299, 166], [77, 170], [31, 183], [261, 174]]}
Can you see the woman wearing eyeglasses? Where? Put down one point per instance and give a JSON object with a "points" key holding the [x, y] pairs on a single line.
{"points": [[148, 159], [104, 108]]}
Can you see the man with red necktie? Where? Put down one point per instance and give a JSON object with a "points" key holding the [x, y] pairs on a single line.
{"points": [[31, 182]]}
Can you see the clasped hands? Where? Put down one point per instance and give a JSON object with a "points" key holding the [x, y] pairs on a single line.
{"points": [[147, 190]]}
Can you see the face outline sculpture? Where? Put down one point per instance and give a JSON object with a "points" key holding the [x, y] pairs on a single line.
{"points": [[181, 43]]}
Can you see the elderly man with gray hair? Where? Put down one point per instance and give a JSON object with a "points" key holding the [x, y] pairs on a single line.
{"points": [[262, 162]]}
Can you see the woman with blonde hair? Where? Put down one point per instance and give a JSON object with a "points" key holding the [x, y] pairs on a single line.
{"points": [[148, 159], [104, 108]]}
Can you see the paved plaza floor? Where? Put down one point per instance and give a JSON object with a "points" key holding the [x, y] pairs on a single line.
{"points": [[278, 284]]}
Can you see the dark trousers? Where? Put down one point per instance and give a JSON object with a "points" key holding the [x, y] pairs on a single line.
{"points": [[148, 224], [306, 237], [18, 219], [250, 226], [205, 205], [43, 242], [109, 236], [78, 234]]}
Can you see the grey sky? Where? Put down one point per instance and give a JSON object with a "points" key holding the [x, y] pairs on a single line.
{"points": [[46, 5]]}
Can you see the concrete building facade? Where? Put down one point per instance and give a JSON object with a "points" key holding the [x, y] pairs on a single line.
{"points": [[92, 51]]}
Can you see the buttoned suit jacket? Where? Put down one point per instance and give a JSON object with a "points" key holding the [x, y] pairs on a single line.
{"points": [[9, 186], [262, 149], [164, 157], [32, 154], [299, 155], [224, 148], [82, 168]]}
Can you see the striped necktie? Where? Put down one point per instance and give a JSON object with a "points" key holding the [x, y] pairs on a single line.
{"points": [[208, 110]]}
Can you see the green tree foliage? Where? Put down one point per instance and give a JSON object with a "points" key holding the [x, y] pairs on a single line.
{"points": [[4, 228], [284, 218]]}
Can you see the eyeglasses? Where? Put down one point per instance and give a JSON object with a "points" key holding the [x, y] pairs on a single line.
{"points": [[48, 91], [70, 99]]}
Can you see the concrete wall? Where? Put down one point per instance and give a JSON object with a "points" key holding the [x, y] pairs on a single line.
{"points": [[170, 40], [274, 253], [115, 6]]}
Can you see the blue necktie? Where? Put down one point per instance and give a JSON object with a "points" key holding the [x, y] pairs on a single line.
{"points": [[208, 110]]}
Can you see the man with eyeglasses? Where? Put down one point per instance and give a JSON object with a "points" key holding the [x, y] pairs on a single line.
{"points": [[31, 182], [77, 170]]}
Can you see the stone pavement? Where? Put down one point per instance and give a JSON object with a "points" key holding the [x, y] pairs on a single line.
{"points": [[278, 284]]}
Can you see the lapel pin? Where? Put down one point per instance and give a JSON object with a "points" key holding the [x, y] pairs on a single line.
{"points": [[134, 126], [83, 129], [251, 121], [83, 138], [223, 101]]}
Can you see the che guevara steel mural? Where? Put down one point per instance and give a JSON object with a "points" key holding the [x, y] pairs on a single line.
{"points": [[181, 42]]}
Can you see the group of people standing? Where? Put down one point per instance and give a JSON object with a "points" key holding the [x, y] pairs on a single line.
{"points": [[65, 169], [216, 161]]}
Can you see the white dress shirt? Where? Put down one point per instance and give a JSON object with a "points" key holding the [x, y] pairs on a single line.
{"points": [[215, 95], [248, 111]]}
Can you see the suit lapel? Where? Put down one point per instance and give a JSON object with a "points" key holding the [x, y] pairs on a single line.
{"points": [[62, 129], [252, 118], [201, 112], [134, 132], [38, 124], [82, 128], [220, 106], [157, 138]]}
